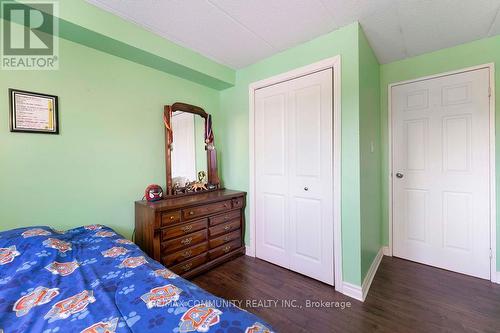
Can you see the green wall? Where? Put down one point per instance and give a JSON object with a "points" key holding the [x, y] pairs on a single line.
{"points": [[85, 24], [113, 81], [231, 126], [466, 55], [369, 125], [110, 146], [158, 53]]}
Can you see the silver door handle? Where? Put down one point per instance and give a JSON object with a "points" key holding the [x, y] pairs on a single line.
{"points": [[399, 175]]}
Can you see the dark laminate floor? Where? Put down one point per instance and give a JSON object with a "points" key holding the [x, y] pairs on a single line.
{"points": [[404, 297]]}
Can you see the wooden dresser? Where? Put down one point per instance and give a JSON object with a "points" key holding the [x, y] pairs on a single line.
{"points": [[192, 234]]}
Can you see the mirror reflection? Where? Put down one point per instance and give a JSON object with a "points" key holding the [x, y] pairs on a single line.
{"points": [[189, 157]]}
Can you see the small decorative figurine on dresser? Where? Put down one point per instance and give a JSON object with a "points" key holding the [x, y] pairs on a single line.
{"points": [[200, 185], [198, 224]]}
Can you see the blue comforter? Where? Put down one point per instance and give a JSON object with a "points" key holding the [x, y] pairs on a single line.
{"points": [[92, 280]]}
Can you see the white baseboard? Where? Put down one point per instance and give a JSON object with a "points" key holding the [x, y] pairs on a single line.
{"points": [[249, 251], [371, 272], [352, 290], [349, 289], [360, 292], [497, 278], [387, 251]]}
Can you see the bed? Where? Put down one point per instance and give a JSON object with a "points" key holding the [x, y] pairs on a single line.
{"points": [[92, 280]]}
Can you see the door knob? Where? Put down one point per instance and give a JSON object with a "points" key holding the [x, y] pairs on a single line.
{"points": [[306, 188], [399, 175]]}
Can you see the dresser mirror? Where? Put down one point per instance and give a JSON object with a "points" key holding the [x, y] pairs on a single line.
{"points": [[190, 156]]}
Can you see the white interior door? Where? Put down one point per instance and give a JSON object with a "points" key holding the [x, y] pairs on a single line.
{"points": [[294, 176], [441, 178]]}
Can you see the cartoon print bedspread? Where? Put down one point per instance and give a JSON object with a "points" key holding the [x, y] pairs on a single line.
{"points": [[92, 280]]}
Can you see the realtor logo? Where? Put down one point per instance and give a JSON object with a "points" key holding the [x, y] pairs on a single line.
{"points": [[29, 35]]}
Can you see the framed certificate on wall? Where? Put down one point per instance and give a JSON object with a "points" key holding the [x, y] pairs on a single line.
{"points": [[33, 112]]}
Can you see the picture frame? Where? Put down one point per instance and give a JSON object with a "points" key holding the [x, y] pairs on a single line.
{"points": [[32, 112]]}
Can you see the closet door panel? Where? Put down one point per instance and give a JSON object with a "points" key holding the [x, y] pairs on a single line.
{"points": [[271, 175], [310, 176]]}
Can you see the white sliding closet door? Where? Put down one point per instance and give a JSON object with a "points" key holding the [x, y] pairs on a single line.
{"points": [[294, 175]]}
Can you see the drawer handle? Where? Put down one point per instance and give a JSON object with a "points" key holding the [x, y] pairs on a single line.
{"points": [[186, 241], [226, 217], [226, 249], [227, 227], [236, 202], [187, 267], [187, 228], [172, 217], [227, 238], [186, 254], [191, 213]]}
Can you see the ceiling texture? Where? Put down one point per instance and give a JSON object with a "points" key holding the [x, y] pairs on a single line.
{"points": [[238, 33]]}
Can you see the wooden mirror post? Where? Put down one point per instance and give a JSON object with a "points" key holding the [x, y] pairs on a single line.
{"points": [[212, 172], [167, 119]]}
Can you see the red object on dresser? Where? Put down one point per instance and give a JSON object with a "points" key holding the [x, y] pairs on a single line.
{"points": [[153, 192]]}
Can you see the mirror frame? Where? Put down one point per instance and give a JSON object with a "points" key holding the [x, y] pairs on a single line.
{"points": [[212, 172]]}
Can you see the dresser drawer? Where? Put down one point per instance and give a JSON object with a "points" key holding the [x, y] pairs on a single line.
{"points": [[170, 218], [218, 219], [237, 203], [183, 229], [184, 241], [188, 265], [185, 254], [221, 250], [198, 211], [224, 228], [225, 238]]}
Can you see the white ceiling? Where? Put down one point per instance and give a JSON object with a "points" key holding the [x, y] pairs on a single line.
{"points": [[238, 33]]}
